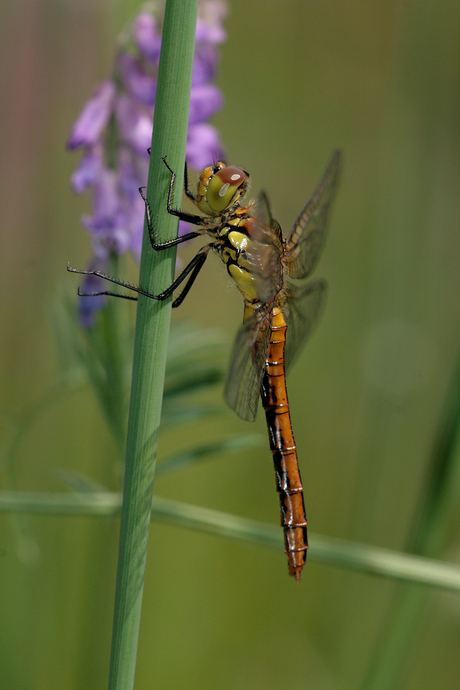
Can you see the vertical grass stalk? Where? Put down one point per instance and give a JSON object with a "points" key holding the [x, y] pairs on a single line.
{"points": [[152, 328], [436, 526]]}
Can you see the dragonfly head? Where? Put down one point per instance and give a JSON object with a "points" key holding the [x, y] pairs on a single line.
{"points": [[220, 186]]}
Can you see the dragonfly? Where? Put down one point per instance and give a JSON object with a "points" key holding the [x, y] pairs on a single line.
{"points": [[281, 306]]}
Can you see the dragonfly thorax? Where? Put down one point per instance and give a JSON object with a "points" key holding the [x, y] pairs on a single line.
{"points": [[220, 187]]}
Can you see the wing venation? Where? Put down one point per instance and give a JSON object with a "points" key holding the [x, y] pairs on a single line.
{"points": [[308, 233], [305, 302], [247, 365]]}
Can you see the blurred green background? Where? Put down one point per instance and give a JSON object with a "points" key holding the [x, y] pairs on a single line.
{"points": [[381, 81]]}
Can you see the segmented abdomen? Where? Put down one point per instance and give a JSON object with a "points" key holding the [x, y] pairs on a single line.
{"points": [[282, 445]]}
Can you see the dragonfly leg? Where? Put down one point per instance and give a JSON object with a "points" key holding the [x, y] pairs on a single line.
{"points": [[193, 267], [199, 260], [187, 191], [109, 293], [182, 215], [169, 243], [111, 279]]}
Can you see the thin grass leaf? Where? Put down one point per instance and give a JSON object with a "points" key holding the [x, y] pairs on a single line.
{"points": [[97, 503], [189, 343], [196, 378], [435, 525], [174, 414], [79, 483], [152, 330], [339, 552], [194, 455], [103, 353]]}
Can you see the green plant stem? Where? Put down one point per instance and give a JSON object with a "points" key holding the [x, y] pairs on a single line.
{"points": [[152, 328], [436, 525], [338, 552]]}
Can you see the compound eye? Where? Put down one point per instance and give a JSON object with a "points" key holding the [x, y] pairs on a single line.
{"points": [[224, 186]]}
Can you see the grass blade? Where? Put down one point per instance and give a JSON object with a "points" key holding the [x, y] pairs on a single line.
{"points": [[151, 339]]}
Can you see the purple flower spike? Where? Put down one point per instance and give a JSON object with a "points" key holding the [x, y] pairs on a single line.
{"points": [[135, 220], [147, 36], [211, 15], [115, 129], [94, 117], [205, 100], [88, 170], [204, 64], [135, 124], [135, 80], [203, 146], [89, 306]]}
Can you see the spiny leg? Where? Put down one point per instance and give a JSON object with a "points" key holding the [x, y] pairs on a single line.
{"points": [[193, 267], [111, 279], [200, 259], [109, 293], [187, 191], [169, 243], [182, 215]]}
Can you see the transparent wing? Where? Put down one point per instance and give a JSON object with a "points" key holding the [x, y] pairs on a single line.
{"points": [[302, 310], [263, 209], [261, 255], [265, 228], [247, 365], [263, 213], [306, 240]]}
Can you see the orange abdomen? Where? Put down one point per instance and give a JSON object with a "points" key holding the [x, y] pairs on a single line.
{"points": [[282, 445]]}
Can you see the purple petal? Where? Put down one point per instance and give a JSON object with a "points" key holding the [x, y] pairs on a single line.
{"points": [[136, 227], [135, 124], [108, 223], [132, 174], [105, 200], [94, 116], [205, 100], [110, 233], [87, 171], [184, 228], [121, 234], [135, 80], [89, 306], [209, 34], [203, 146], [204, 64], [147, 36], [211, 14]]}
